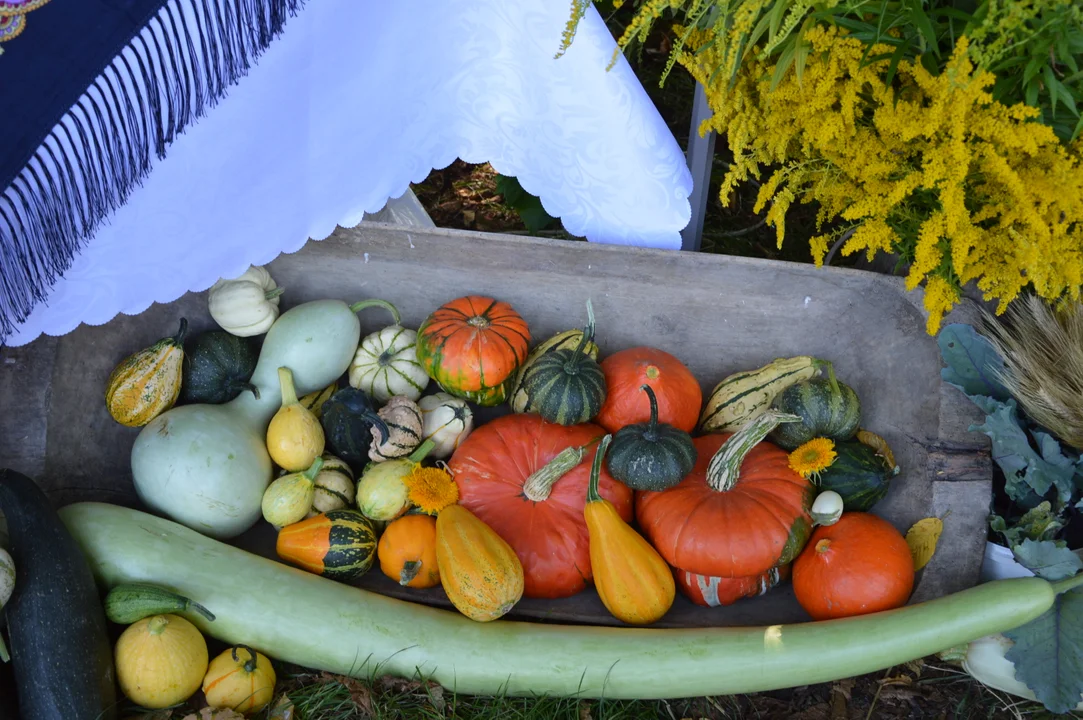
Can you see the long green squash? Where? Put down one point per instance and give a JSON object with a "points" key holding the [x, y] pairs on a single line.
{"points": [[359, 633]]}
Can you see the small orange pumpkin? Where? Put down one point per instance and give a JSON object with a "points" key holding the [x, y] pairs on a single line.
{"points": [[407, 551], [479, 571], [243, 681]]}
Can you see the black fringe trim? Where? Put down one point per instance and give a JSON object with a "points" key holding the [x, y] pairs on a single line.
{"points": [[169, 75]]}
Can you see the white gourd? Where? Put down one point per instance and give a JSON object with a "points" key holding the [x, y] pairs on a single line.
{"points": [[826, 508], [206, 466], [446, 420], [386, 363], [247, 305], [335, 486]]}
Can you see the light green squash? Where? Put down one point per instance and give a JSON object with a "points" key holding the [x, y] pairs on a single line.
{"points": [[206, 466]]}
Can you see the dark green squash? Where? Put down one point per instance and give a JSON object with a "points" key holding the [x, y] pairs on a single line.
{"points": [[860, 475], [566, 386], [827, 408], [652, 455], [347, 418], [60, 651], [218, 367]]}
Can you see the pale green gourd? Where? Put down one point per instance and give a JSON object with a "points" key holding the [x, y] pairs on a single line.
{"points": [[206, 466]]}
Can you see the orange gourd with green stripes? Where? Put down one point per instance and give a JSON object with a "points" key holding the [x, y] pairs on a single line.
{"points": [[472, 345], [146, 384], [480, 572], [340, 544]]}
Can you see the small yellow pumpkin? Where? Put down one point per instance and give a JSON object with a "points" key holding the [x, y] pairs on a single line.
{"points": [[479, 571], [633, 581], [294, 437], [289, 498], [240, 679], [146, 384], [161, 661]]}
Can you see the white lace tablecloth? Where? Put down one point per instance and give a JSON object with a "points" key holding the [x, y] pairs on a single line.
{"points": [[356, 100]]}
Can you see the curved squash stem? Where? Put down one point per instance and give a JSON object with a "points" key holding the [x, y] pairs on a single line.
{"points": [[831, 377], [200, 610], [289, 392], [572, 365], [178, 339], [421, 452], [248, 386], [1063, 586], [540, 483], [250, 663], [596, 470], [376, 302], [272, 294], [725, 466], [652, 429]]}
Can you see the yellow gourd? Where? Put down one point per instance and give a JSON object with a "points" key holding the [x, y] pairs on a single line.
{"points": [[161, 661], [294, 437], [289, 498], [632, 579], [240, 679], [481, 574], [146, 384]]}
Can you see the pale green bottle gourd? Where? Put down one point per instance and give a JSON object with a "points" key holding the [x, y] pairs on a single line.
{"points": [[206, 466]]}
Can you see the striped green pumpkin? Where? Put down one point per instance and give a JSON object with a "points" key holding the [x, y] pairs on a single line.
{"points": [[827, 408], [859, 474], [565, 386], [340, 544], [651, 456]]}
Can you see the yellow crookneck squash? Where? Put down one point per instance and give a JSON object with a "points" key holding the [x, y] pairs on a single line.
{"points": [[295, 437], [240, 679], [633, 581], [147, 383], [480, 572]]}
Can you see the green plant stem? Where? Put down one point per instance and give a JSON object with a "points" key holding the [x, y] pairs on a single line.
{"points": [[421, 452], [376, 302], [596, 470]]}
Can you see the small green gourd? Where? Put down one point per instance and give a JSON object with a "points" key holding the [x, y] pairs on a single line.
{"points": [[652, 455], [131, 602], [289, 498]]}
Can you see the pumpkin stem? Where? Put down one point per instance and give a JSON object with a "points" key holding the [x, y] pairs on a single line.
{"points": [[725, 466], [831, 378], [250, 663], [178, 339], [1063, 586], [313, 469], [376, 302], [596, 470], [572, 366], [540, 483], [289, 392], [272, 294], [410, 569], [248, 386], [652, 429], [421, 452]]}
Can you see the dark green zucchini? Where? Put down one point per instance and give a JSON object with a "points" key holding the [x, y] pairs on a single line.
{"points": [[130, 603], [56, 625]]}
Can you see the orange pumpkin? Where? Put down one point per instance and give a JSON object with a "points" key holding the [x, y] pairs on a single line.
{"points": [[478, 570], [407, 551], [717, 591], [676, 389], [742, 523], [471, 345], [510, 475], [859, 565]]}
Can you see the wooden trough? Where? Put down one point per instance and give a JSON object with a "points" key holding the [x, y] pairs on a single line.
{"points": [[718, 314]]}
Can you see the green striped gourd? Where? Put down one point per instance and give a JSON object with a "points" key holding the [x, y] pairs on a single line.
{"points": [[745, 395], [518, 399], [340, 544], [827, 408], [386, 363], [651, 455], [860, 473]]}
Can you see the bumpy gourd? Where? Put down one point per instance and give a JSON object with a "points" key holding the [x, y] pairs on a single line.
{"points": [[289, 498], [160, 661], [147, 383], [207, 466], [446, 420], [480, 573], [652, 455], [240, 679], [386, 363], [247, 305], [632, 579], [403, 419], [294, 437], [335, 486]]}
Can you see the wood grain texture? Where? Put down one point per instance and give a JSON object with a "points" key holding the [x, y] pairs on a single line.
{"points": [[718, 314]]}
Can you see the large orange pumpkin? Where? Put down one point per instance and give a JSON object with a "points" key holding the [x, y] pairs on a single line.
{"points": [[859, 565], [718, 591], [731, 527], [542, 519], [471, 345], [676, 389]]}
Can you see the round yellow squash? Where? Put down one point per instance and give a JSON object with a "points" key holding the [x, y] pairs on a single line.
{"points": [[481, 574], [161, 661], [240, 679]]}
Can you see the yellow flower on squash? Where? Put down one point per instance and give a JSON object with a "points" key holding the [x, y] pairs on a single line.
{"points": [[431, 489], [812, 458]]}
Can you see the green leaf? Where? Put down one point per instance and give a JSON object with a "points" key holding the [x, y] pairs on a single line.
{"points": [[925, 27], [1051, 85], [894, 64], [1038, 523], [1034, 66], [1047, 560], [1065, 466], [1030, 96], [528, 206], [1048, 653], [784, 61], [774, 18], [972, 363]]}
